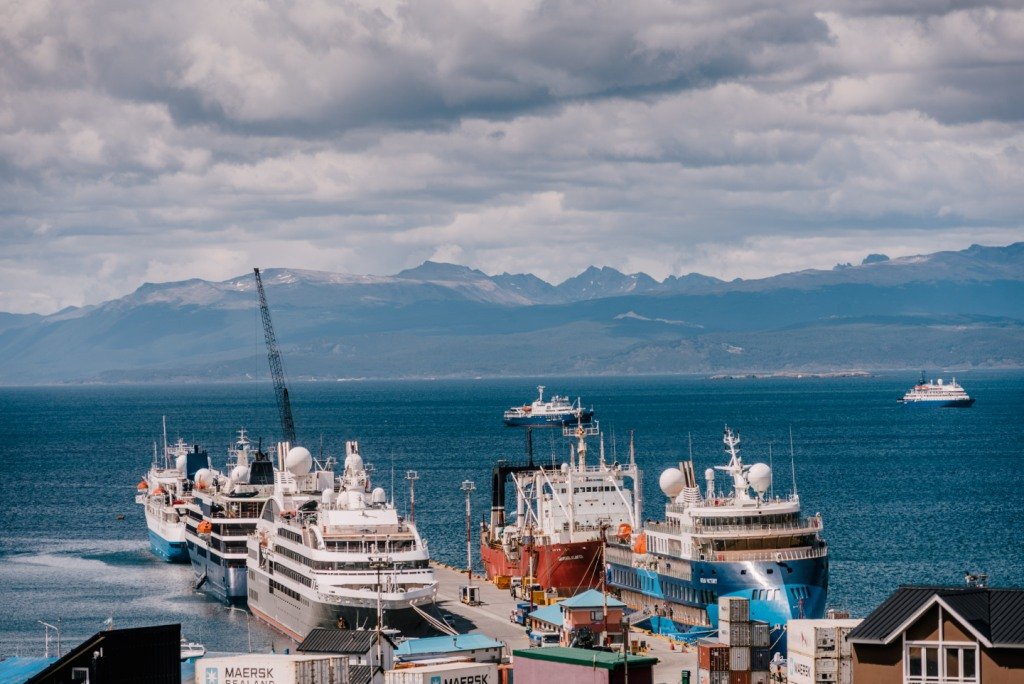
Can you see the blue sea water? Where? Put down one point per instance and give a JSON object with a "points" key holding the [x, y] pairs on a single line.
{"points": [[907, 495]]}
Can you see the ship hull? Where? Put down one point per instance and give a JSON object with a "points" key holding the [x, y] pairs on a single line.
{"points": [[167, 550], [297, 617], [565, 568], [551, 420], [777, 590], [213, 575], [941, 403]]}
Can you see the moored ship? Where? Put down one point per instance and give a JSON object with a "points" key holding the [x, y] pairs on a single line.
{"points": [[221, 515], [164, 492], [338, 557], [562, 515], [745, 543], [555, 412], [937, 393]]}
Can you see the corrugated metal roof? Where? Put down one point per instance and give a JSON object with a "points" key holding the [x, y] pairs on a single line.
{"points": [[16, 670], [591, 598], [550, 614], [995, 614], [584, 657], [360, 674], [1007, 611], [342, 641], [447, 644], [892, 613]]}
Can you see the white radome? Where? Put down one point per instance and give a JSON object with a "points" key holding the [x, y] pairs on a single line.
{"points": [[760, 477], [671, 482], [327, 496], [181, 463], [298, 461], [240, 474], [379, 496], [354, 463], [204, 477]]}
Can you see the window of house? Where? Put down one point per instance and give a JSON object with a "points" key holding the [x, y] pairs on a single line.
{"points": [[934, 663]]}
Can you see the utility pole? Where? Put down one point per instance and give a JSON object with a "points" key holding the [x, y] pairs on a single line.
{"points": [[378, 564], [468, 486], [412, 476], [604, 575]]}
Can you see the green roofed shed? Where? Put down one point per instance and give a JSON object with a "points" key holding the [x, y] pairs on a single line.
{"points": [[584, 657]]}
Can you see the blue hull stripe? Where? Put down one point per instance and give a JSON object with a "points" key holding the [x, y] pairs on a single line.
{"points": [[171, 552]]}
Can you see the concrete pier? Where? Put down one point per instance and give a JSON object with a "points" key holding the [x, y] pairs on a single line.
{"points": [[493, 617]]}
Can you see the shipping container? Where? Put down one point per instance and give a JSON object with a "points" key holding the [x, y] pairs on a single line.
{"points": [[739, 658], [712, 677], [817, 638], [760, 634], [759, 659], [448, 673], [274, 669], [739, 677], [712, 656], [758, 678], [803, 669], [733, 609], [734, 633]]}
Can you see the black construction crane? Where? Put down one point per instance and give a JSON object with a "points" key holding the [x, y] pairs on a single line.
{"points": [[284, 406]]}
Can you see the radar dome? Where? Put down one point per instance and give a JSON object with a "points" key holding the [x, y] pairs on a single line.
{"points": [[298, 461], [709, 474], [204, 477], [760, 477], [327, 496], [565, 467], [671, 482], [181, 462], [379, 496], [354, 462], [239, 473]]}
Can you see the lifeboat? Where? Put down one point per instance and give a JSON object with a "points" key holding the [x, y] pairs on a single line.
{"points": [[143, 486], [158, 491], [640, 545], [624, 532], [205, 527]]}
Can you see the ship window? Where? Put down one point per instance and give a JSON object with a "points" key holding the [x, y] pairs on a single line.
{"points": [[771, 571]]}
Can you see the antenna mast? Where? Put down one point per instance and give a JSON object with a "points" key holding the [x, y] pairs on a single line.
{"points": [[284, 405], [792, 460]]}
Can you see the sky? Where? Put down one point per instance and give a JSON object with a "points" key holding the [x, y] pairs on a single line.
{"points": [[153, 142]]}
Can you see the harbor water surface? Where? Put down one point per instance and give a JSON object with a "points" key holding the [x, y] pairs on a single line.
{"points": [[907, 495]]}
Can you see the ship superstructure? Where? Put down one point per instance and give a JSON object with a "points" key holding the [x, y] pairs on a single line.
{"points": [[164, 492], [555, 412], [937, 393], [562, 515], [337, 557], [221, 515], [744, 543]]}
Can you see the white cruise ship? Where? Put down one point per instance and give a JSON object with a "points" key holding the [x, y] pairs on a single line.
{"points": [[338, 558], [937, 393], [164, 492], [222, 514]]}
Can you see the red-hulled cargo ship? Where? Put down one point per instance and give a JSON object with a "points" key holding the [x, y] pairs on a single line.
{"points": [[562, 512]]}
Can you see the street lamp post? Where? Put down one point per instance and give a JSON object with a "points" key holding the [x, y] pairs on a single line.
{"points": [[379, 563], [412, 476], [468, 486]]}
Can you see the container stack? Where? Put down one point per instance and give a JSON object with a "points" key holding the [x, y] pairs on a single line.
{"points": [[819, 651], [741, 654]]}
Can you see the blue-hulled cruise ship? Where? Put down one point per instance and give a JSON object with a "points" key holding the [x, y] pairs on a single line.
{"points": [[744, 543]]}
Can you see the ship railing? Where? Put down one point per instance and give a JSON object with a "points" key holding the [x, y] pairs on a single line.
{"points": [[805, 525], [799, 553]]}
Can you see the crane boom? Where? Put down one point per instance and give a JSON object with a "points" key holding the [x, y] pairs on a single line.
{"points": [[284, 406]]}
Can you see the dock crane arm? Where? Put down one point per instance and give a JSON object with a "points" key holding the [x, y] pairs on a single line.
{"points": [[284, 405]]}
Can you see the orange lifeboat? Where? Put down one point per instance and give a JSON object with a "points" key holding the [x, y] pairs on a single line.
{"points": [[205, 527], [625, 529], [143, 486], [640, 545], [158, 491]]}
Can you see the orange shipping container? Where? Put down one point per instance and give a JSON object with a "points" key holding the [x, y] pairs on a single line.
{"points": [[713, 656]]}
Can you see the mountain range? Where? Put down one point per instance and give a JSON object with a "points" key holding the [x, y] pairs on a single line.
{"points": [[957, 309]]}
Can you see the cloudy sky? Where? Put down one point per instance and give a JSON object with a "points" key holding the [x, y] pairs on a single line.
{"points": [[162, 141]]}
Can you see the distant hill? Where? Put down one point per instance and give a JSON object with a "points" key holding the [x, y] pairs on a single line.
{"points": [[949, 309]]}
